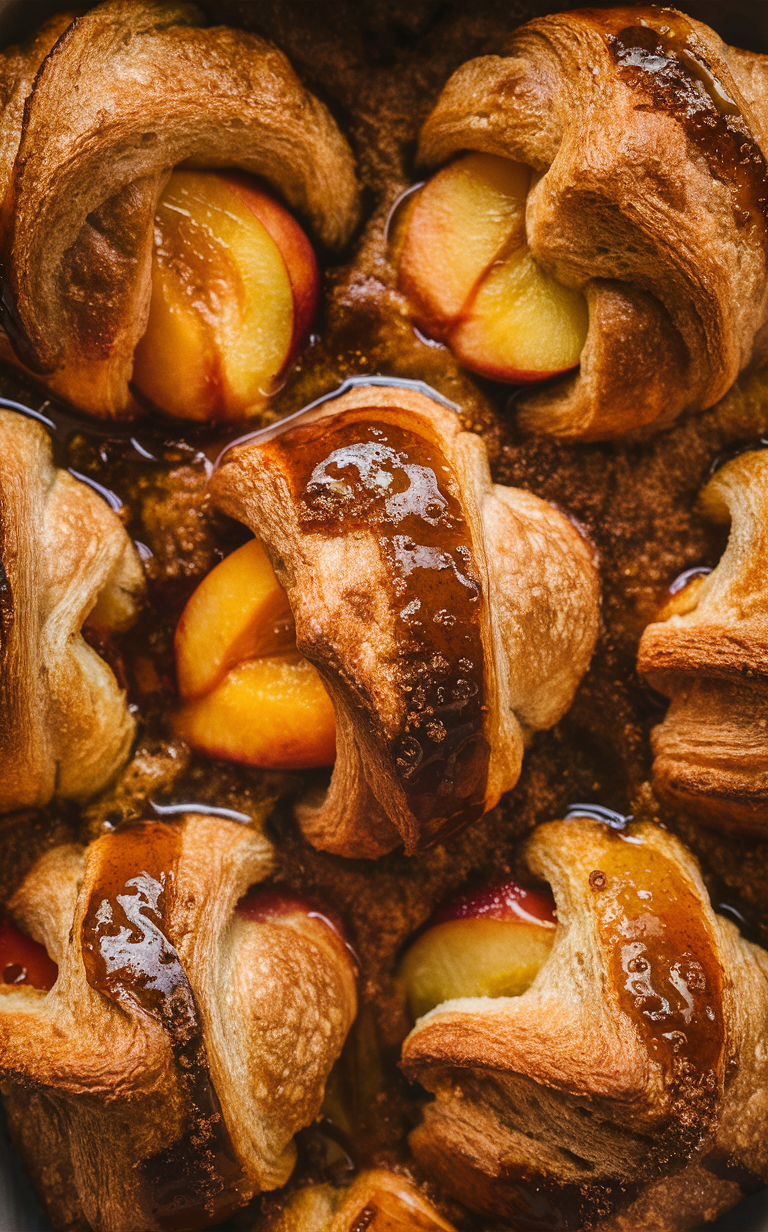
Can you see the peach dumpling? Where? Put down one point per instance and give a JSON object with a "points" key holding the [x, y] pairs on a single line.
{"points": [[69, 571], [707, 652], [623, 1082], [448, 618], [157, 259], [544, 242], [156, 1077]]}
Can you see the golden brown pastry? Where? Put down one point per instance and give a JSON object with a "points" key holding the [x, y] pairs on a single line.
{"points": [[710, 656], [628, 1087], [450, 618], [65, 561], [79, 193], [160, 1082], [648, 138], [376, 1201]]}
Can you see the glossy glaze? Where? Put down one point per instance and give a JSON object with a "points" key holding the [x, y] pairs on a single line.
{"points": [[350, 473], [130, 958], [662, 62], [662, 963]]}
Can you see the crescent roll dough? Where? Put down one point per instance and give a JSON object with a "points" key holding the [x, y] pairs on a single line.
{"points": [[100, 109], [160, 1082], [710, 657], [627, 1089], [449, 617], [65, 557], [650, 138]]}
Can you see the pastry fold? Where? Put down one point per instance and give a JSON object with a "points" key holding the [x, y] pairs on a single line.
{"points": [[65, 558], [160, 1082], [628, 1087], [100, 109], [649, 135], [450, 618], [711, 659]]}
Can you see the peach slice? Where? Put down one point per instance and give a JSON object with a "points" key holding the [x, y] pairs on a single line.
{"points": [[24, 961], [235, 288], [272, 712], [473, 282], [460, 223], [521, 325], [490, 943], [239, 611], [249, 695]]}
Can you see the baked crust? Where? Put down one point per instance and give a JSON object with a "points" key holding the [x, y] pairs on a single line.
{"points": [[711, 751], [627, 1088], [65, 558], [79, 194], [184, 1044], [436, 690], [650, 137]]}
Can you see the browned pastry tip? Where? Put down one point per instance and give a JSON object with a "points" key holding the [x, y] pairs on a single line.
{"points": [[650, 134], [66, 562], [711, 659], [376, 1201], [627, 1088], [450, 618], [160, 1082], [79, 190]]}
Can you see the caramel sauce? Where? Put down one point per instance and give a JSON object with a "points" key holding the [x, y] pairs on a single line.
{"points": [[347, 474], [129, 958], [598, 812], [679, 597], [664, 967], [678, 79]]}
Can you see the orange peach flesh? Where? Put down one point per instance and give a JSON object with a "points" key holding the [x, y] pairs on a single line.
{"points": [[248, 695], [490, 943], [235, 288], [473, 282], [472, 958], [239, 611]]}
